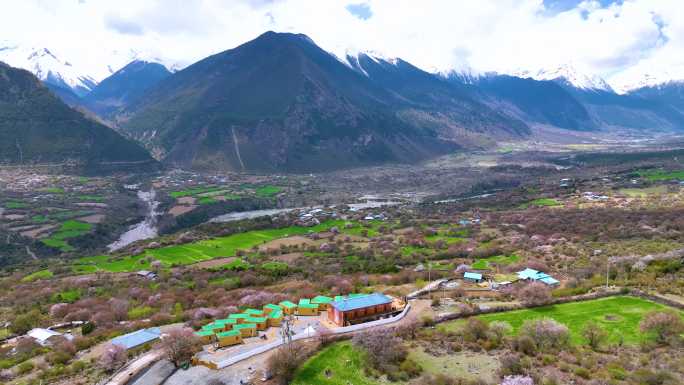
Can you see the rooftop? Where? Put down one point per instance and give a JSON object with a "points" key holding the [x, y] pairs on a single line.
{"points": [[469, 275], [244, 326], [228, 333], [137, 338], [360, 302], [288, 304]]}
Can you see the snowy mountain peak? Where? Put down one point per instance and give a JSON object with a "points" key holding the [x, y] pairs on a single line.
{"points": [[48, 66], [351, 58], [642, 76], [569, 74], [466, 75]]}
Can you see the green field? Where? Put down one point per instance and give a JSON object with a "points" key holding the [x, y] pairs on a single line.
{"points": [[643, 192], [68, 229], [541, 202], [344, 363], [267, 191], [619, 316], [197, 251], [15, 205], [193, 191], [659, 175], [90, 198], [42, 274], [501, 260]]}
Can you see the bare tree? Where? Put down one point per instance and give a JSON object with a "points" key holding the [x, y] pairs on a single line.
{"points": [[180, 344], [665, 324], [113, 357], [535, 293]]}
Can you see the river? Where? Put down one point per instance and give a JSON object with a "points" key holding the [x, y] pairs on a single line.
{"points": [[144, 230], [236, 216]]}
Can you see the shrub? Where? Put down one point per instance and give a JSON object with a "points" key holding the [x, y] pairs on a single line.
{"points": [[113, 357], [25, 367], [594, 334], [664, 324], [535, 294], [546, 333]]}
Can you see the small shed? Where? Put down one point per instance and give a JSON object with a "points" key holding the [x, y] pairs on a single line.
{"points": [[275, 318], [254, 312], [271, 307], [229, 338], [214, 327], [306, 308], [472, 277], [206, 336], [137, 338], [260, 322], [246, 330], [44, 337], [288, 307], [239, 317], [322, 301]]}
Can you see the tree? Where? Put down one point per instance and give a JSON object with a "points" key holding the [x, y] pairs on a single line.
{"points": [[283, 363], [113, 357], [475, 329], [180, 344], [665, 324], [499, 329], [383, 347], [546, 333], [535, 294], [594, 334]]}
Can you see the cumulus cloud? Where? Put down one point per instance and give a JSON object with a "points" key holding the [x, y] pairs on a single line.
{"points": [[605, 37]]}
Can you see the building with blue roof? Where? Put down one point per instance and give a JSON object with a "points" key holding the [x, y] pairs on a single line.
{"points": [[535, 275], [473, 277], [350, 310], [137, 338]]}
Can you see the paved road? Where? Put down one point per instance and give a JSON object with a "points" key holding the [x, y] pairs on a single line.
{"points": [[135, 367], [156, 374]]}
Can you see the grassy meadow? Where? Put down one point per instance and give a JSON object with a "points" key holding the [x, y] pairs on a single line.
{"points": [[619, 316]]}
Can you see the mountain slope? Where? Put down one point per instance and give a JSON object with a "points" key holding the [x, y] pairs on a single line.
{"points": [[423, 92], [631, 111], [541, 101], [36, 127], [124, 86], [279, 102]]}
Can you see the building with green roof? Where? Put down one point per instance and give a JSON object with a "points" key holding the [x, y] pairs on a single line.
{"points": [[306, 308], [246, 330], [239, 317], [322, 301], [270, 307], [206, 336], [229, 338], [288, 307], [260, 322], [254, 312]]}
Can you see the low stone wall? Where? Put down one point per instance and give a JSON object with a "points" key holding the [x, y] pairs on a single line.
{"points": [[555, 301], [656, 298]]}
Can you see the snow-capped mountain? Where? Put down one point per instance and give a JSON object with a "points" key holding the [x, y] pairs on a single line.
{"points": [[48, 66], [566, 73], [352, 58], [639, 77]]}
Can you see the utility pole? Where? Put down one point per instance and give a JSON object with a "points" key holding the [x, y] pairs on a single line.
{"points": [[607, 271]]}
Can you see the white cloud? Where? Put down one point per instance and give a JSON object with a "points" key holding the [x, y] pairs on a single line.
{"points": [[487, 35]]}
